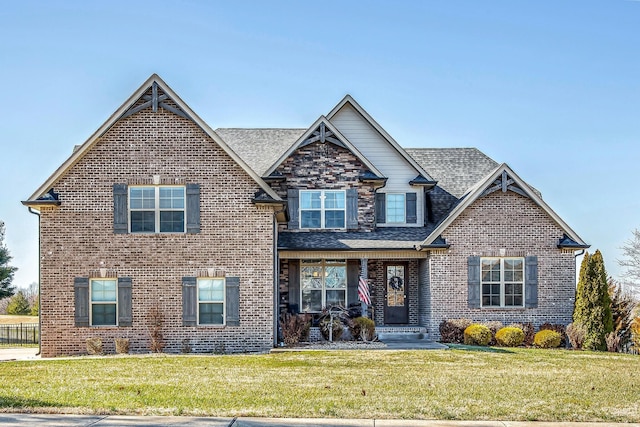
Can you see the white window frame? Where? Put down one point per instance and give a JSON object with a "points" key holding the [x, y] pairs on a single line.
{"points": [[502, 282], [323, 263], [157, 210], [323, 209], [92, 303], [223, 301], [404, 208]]}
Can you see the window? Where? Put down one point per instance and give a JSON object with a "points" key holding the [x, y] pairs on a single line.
{"points": [[103, 302], [211, 293], [322, 209], [323, 283], [396, 208], [502, 281], [156, 209]]}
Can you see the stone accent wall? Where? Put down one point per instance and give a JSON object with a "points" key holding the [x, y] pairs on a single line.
{"points": [[328, 167], [516, 224], [77, 238]]}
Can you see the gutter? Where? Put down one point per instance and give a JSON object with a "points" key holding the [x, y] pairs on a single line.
{"points": [[31, 210]]}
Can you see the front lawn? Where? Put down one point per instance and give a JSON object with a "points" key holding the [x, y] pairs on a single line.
{"points": [[509, 384]]}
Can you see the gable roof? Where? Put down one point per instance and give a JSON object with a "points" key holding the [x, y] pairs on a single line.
{"points": [[455, 169], [127, 108], [502, 178], [349, 100], [338, 137]]}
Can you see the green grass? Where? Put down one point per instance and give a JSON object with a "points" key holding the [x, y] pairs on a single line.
{"points": [[512, 384]]}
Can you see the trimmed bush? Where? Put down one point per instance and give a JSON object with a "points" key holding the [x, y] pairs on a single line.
{"points": [[547, 338], [510, 337], [561, 329], [529, 332], [362, 328], [122, 345], [477, 334], [94, 346], [452, 330]]}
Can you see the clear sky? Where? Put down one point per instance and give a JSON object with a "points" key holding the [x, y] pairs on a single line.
{"points": [[551, 87]]}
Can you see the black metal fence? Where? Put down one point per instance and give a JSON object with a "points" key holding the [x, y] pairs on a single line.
{"points": [[19, 334]]}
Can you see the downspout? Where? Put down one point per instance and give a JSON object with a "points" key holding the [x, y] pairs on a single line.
{"points": [[39, 281], [276, 281]]}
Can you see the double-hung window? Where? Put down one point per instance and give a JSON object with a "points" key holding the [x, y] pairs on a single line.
{"points": [[322, 209], [157, 209], [104, 302], [502, 282], [211, 297], [323, 283], [396, 208]]}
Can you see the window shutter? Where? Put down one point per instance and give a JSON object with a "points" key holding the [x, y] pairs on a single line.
{"points": [[352, 209], [294, 286], [293, 206], [189, 301], [473, 270], [412, 207], [531, 282], [124, 301], [81, 294], [381, 209], [232, 301], [193, 208], [120, 209]]}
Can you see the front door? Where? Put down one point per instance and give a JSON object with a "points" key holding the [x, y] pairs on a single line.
{"points": [[396, 308]]}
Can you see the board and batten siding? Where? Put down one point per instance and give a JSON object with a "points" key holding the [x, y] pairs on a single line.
{"points": [[382, 154]]}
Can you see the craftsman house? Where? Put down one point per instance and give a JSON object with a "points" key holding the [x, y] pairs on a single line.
{"points": [[217, 232]]}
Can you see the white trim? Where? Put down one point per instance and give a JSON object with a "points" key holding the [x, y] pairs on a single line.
{"points": [[157, 210], [386, 208], [475, 193], [93, 139], [223, 302], [91, 302], [502, 282], [322, 209]]}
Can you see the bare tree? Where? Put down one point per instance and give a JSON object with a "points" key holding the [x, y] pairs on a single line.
{"points": [[631, 262]]}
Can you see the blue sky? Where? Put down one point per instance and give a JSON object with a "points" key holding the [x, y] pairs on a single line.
{"points": [[550, 87]]}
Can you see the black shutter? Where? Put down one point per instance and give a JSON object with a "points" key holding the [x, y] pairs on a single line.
{"points": [[531, 282], [412, 208], [353, 275], [189, 301], [292, 205], [124, 301], [120, 209], [294, 286], [232, 301], [381, 209], [81, 295], [193, 208], [352, 209], [473, 271]]}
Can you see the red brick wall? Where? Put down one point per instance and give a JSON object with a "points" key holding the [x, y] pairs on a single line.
{"points": [[520, 227], [236, 238]]}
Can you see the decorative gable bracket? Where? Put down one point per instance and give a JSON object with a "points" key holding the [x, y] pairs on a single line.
{"points": [[154, 101], [504, 183], [323, 135]]}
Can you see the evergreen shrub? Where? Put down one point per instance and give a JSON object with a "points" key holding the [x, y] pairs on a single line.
{"points": [[477, 334], [547, 339], [510, 337]]}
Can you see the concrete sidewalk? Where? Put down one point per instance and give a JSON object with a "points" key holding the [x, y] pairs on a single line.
{"points": [[18, 353], [60, 420]]}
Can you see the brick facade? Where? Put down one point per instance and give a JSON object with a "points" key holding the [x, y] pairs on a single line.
{"points": [[77, 239], [517, 225]]}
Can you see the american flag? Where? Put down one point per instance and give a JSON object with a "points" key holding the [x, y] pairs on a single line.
{"points": [[363, 291]]}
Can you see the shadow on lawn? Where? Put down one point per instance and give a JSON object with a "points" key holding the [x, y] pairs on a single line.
{"points": [[478, 348], [18, 402]]}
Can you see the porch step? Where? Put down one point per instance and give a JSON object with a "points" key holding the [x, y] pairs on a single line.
{"points": [[402, 333]]}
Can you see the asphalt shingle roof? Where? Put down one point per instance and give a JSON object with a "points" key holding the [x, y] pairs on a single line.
{"points": [[455, 169], [260, 148], [382, 238]]}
